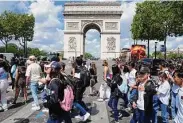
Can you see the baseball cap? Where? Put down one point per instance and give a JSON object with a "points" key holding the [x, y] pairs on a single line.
{"points": [[54, 65], [144, 70]]}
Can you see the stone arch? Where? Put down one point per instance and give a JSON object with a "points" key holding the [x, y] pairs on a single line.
{"points": [[79, 17]]}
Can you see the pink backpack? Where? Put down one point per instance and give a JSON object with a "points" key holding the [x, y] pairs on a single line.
{"points": [[67, 102]]}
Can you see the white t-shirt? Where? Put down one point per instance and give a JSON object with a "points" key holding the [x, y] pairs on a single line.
{"points": [[132, 77], [179, 116], [34, 71], [175, 88], [140, 101], [164, 92]]}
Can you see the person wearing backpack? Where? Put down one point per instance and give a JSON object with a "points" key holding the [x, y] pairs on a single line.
{"points": [[20, 82], [81, 73], [56, 95]]}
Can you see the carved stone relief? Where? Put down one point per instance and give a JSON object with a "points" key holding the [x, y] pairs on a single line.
{"points": [[111, 26], [85, 22], [111, 44], [72, 43], [72, 25]]}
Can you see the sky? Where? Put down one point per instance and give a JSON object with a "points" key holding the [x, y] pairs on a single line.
{"points": [[49, 25]]}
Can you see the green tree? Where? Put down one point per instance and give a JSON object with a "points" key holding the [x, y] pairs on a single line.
{"points": [[25, 30], [7, 26], [155, 20], [145, 26], [159, 55], [88, 55]]}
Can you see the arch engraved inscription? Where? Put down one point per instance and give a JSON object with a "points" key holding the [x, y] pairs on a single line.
{"points": [[72, 43], [111, 26], [72, 26], [111, 44]]}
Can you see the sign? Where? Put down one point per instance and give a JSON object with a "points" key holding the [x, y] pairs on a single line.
{"points": [[162, 48]]}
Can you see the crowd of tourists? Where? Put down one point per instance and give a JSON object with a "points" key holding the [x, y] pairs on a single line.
{"points": [[61, 93]]}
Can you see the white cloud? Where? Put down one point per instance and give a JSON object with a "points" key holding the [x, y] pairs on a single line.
{"points": [[48, 35], [128, 9]]}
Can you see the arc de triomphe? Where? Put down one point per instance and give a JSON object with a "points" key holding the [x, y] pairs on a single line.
{"points": [[81, 16]]}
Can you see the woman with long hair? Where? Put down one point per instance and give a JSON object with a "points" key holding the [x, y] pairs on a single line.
{"points": [[104, 88], [93, 80], [20, 81]]}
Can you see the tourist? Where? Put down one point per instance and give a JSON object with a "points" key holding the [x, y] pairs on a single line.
{"points": [[20, 81], [93, 80], [33, 74], [3, 86], [179, 81]]}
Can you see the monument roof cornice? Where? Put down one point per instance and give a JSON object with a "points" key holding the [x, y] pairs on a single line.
{"points": [[92, 3], [91, 12]]}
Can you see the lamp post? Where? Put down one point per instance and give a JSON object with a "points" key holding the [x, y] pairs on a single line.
{"points": [[178, 51], [155, 48], [165, 28]]}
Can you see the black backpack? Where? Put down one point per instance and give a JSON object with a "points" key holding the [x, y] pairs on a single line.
{"points": [[84, 75]]}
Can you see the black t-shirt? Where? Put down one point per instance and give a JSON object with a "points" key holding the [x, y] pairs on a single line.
{"points": [[92, 72]]}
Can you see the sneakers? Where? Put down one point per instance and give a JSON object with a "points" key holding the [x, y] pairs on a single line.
{"points": [[33, 104], [3, 109], [100, 100], [86, 116], [79, 117], [45, 110], [36, 108], [120, 115]]}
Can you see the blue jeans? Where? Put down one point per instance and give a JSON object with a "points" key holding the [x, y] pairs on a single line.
{"points": [[173, 105], [164, 110], [131, 94], [80, 108], [113, 104], [125, 98], [34, 88], [64, 117]]}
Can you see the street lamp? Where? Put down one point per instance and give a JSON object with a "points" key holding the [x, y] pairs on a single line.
{"points": [[165, 25], [155, 48], [178, 51]]}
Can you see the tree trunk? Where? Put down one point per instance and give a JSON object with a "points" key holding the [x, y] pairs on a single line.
{"points": [[148, 48], [6, 46]]}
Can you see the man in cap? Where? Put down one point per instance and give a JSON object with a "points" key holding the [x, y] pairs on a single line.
{"points": [[141, 114], [33, 74]]}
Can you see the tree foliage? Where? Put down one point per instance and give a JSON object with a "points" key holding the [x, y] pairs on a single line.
{"points": [[13, 48], [15, 26], [7, 25], [88, 56], [154, 20]]}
